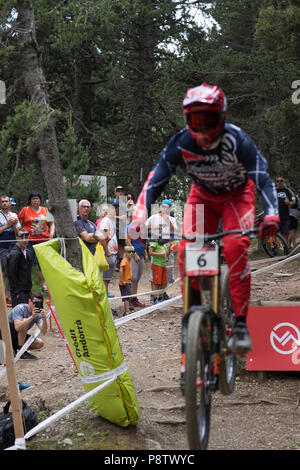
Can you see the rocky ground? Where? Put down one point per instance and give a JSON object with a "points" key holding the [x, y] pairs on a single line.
{"points": [[261, 414]]}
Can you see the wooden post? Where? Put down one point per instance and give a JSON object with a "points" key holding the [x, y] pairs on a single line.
{"points": [[13, 386]]}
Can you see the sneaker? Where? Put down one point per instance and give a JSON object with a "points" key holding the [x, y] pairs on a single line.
{"points": [[161, 299], [114, 312], [165, 296], [155, 301], [23, 386], [240, 341], [110, 295], [27, 356], [131, 307], [137, 303]]}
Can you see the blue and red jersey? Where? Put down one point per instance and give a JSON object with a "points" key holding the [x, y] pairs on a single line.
{"points": [[229, 165]]}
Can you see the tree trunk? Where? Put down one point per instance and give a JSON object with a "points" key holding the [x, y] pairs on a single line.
{"points": [[36, 88]]}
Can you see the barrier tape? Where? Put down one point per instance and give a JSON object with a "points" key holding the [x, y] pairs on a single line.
{"points": [[25, 346], [139, 294], [90, 379], [145, 311], [39, 427], [279, 263]]}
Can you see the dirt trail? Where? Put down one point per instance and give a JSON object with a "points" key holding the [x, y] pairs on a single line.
{"points": [[260, 414]]}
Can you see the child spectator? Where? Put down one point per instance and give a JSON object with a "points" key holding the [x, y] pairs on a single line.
{"points": [[159, 251], [125, 277]]}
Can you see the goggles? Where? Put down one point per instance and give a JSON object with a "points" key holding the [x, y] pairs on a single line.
{"points": [[203, 121]]}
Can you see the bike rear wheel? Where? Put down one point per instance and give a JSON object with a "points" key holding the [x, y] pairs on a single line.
{"points": [[276, 246], [197, 391], [228, 362]]}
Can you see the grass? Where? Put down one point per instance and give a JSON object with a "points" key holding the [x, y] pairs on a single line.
{"points": [[85, 430]]}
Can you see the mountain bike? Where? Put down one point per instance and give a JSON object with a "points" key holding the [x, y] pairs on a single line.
{"points": [[207, 363], [273, 246]]}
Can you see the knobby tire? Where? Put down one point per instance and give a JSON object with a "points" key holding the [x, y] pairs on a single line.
{"points": [[228, 363], [198, 397], [280, 247]]}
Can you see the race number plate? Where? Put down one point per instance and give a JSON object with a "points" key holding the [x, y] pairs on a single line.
{"points": [[201, 261]]}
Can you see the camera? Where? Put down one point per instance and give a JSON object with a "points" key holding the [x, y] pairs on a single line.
{"points": [[38, 304]]}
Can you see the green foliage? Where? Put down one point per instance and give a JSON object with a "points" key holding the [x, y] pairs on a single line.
{"points": [[116, 74]]}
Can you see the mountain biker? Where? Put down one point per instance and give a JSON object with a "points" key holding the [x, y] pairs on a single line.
{"points": [[225, 166]]}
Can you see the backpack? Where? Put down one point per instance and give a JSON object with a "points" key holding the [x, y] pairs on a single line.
{"points": [[7, 432]]}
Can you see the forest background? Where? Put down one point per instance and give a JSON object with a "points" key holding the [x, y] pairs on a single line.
{"points": [[116, 72]]}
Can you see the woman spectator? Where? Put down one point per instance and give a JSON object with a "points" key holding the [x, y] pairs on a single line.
{"points": [[34, 218]]}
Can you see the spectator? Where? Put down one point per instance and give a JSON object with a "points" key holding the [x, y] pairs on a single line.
{"points": [[125, 277], [163, 225], [120, 222], [22, 318], [34, 218], [294, 215], [119, 191], [108, 228], [159, 251], [9, 226], [284, 202], [137, 265], [13, 203], [19, 270], [130, 206], [87, 229], [103, 212]]}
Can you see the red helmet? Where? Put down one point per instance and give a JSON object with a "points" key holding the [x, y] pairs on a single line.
{"points": [[205, 109]]}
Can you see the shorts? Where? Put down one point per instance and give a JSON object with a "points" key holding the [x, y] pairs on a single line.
{"points": [[14, 337], [293, 223], [125, 289], [159, 274], [112, 261], [137, 269], [284, 226]]}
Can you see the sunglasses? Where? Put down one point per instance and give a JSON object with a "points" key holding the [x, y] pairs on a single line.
{"points": [[24, 235], [279, 181], [85, 207], [129, 197], [131, 251]]}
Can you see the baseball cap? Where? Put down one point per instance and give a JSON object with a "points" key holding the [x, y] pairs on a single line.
{"points": [[167, 201], [113, 202], [119, 187], [12, 201]]}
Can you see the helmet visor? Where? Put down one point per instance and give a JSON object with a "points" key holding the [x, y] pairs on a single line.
{"points": [[203, 121]]}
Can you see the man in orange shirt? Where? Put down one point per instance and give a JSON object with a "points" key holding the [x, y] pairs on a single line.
{"points": [[125, 277]]}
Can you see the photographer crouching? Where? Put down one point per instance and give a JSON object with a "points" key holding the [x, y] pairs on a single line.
{"points": [[22, 318]]}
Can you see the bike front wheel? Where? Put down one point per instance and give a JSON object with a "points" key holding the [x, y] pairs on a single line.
{"points": [[275, 246], [228, 363], [197, 391]]}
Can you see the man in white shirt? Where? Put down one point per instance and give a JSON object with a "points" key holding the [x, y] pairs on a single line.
{"points": [[162, 224]]}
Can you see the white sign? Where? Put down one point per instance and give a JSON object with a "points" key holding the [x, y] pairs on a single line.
{"points": [[85, 180], [201, 261], [73, 209]]}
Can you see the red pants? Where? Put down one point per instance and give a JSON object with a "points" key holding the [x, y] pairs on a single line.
{"points": [[236, 209]]}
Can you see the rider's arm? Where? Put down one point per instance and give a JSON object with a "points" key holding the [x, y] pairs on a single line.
{"points": [[257, 169]]}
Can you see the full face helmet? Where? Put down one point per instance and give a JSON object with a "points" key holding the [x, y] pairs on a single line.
{"points": [[205, 109]]}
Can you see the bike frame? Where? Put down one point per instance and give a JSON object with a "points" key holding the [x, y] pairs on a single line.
{"points": [[209, 296]]}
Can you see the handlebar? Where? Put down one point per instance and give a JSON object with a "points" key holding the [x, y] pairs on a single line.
{"points": [[251, 233]]}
